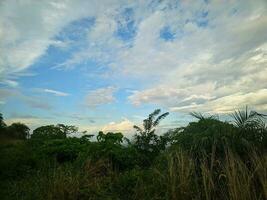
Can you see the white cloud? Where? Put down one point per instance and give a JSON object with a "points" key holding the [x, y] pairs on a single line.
{"points": [[56, 93], [10, 83], [169, 96], [100, 96], [31, 101], [125, 126], [31, 122], [227, 58], [226, 104], [28, 28], [219, 49]]}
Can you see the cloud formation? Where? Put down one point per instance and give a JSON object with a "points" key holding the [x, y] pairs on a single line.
{"points": [[124, 126], [100, 96], [56, 93], [31, 101], [209, 50], [208, 56]]}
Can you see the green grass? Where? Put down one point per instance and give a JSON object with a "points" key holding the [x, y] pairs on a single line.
{"points": [[208, 159], [174, 175]]}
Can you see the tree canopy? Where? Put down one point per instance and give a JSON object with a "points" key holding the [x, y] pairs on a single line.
{"points": [[18, 130], [48, 132]]}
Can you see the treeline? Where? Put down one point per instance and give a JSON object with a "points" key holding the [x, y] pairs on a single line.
{"points": [[207, 159], [21, 131]]}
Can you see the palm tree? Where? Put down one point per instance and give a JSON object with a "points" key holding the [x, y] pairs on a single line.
{"points": [[150, 123], [200, 116], [246, 119], [146, 138]]}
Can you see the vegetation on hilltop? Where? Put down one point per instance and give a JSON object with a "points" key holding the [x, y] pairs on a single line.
{"points": [[207, 159]]}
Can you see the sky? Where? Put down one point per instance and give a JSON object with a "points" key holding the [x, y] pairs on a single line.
{"points": [[105, 65]]}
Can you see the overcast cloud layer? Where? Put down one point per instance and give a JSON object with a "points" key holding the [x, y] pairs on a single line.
{"points": [[102, 60]]}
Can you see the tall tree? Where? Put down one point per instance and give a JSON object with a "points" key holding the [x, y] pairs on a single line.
{"points": [[111, 138], [67, 129], [2, 126], [2, 123], [48, 132], [18, 130], [145, 140]]}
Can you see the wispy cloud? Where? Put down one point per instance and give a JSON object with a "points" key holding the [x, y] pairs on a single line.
{"points": [[100, 96], [31, 101], [125, 126], [56, 93], [173, 70], [204, 55]]}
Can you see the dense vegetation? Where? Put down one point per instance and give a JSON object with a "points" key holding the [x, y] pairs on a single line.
{"points": [[207, 159]]}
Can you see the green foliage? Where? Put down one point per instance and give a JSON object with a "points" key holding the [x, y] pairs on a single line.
{"points": [[207, 159], [67, 130], [60, 131], [146, 141], [48, 132], [2, 123], [14, 131], [201, 135], [18, 131], [110, 138], [246, 120], [87, 137], [17, 159], [251, 127]]}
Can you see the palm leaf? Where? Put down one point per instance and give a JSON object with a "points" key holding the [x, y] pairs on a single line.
{"points": [[197, 115], [138, 128], [244, 118], [161, 117]]}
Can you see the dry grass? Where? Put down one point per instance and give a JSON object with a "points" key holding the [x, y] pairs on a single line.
{"points": [[229, 178], [180, 177]]}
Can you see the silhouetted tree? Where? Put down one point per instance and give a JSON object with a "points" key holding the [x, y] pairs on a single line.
{"points": [[2, 125], [67, 129], [252, 127], [248, 119], [87, 136], [112, 138], [146, 141], [48, 132], [18, 131]]}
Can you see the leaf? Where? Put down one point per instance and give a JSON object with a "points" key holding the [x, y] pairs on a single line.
{"points": [[161, 117]]}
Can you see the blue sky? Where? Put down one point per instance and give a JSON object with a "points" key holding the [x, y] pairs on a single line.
{"points": [[106, 66]]}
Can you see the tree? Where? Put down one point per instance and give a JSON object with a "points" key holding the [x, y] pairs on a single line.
{"points": [[2, 125], [145, 140], [48, 132], [248, 119], [111, 138], [252, 127], [87, 137], [18, 131], [202, 135], [67, 129]]}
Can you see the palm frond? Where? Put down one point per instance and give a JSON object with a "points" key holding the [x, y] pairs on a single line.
{"points": [[147, 123], [152, 116], [161, 117], [243, 118], [197, 115], [138, 128]]}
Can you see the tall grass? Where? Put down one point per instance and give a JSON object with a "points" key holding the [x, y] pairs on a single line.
{"points": [[232, 178], [177, 174], [227, 178]]}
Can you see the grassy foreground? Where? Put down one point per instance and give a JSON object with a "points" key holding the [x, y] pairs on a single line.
{"points": [[208, 159]]}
